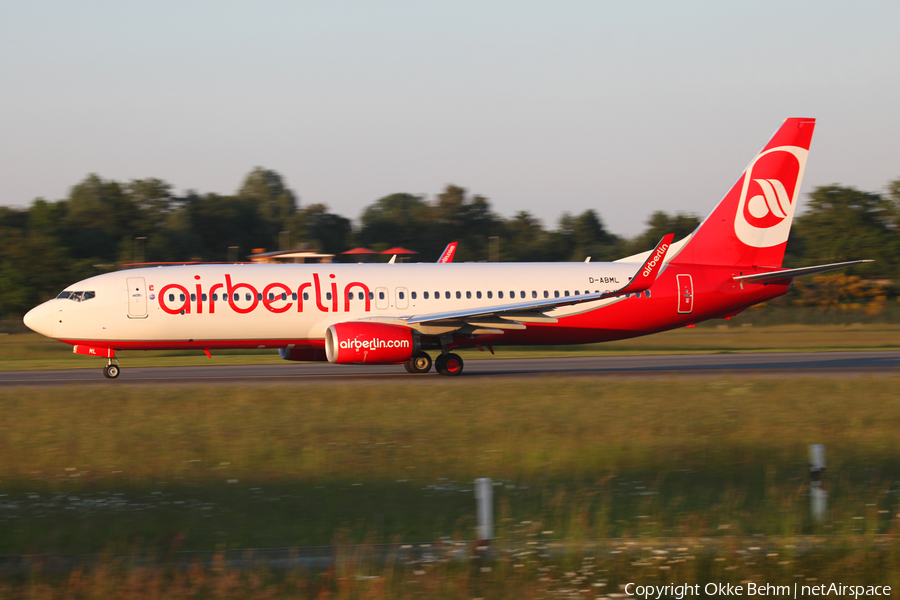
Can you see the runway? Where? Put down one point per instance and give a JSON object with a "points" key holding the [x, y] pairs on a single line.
{"points": [[817, 364]]}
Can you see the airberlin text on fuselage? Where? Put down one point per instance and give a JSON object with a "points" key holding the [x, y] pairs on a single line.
{"points": [[229, 289]]}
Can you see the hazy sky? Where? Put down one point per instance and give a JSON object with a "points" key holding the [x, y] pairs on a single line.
{"points": [[623, 107]]}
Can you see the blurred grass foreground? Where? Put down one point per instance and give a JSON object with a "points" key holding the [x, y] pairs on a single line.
{"points": [[707, 478]]}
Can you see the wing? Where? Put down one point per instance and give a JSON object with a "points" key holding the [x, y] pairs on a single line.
{"points": [[514, 315]]}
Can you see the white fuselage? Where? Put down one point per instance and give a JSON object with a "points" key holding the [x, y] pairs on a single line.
{"points": [[282, 305]]}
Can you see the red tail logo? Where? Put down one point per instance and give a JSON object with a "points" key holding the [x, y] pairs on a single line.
{"points": [[768, 196]]}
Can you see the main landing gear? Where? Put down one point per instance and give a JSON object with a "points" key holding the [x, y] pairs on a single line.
{"points": [[420, 363], [111, 371], [449, 364], [445, 364]]}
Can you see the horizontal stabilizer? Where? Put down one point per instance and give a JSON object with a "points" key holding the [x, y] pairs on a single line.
{"points": [[791, 273]]}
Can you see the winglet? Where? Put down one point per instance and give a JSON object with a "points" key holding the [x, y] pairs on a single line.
{"points": [[649, 271], [448, 253]]}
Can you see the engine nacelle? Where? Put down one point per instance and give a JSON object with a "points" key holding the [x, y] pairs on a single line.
{"points": [[310, 354], [369, 343]]}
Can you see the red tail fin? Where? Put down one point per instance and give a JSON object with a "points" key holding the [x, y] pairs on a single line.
{"points": [[750, 226]]}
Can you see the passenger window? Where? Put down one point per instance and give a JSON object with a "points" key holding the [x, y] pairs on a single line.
{"points": [[447, 295], [576, 292], [381, 295], [361, 296], [171, 297], [567, 293], [193, 297], [203, 297], [259, 296], [478, 295], [556, 293], [215, 297], [328, 295], [522, 294], [271, 296], [490, 295], [500, 295], [294, 296], [646, 293], [425, 295], [248, 297], [399, 295], [533, 293], [512, 295], [284, 295], [306, 295], [413, 294], [546, 294], [458, 295], [371, 295], [181, 297], [468, 295], [437, 295]]}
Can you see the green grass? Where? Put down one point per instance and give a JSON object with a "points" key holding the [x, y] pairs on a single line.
{"points": [[35, 352], [87, 470], [685, 472]]}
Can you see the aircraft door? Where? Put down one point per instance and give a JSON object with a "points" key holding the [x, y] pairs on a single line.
{"points": [[402, 298], [381, 298], [137, 298], [685, 294]]}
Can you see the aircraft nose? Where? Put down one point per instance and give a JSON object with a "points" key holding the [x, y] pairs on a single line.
{"points": [[40, 319]]}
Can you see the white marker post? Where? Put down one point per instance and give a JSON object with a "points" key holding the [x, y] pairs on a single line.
{"points": [[818, 497], [484, 500]]}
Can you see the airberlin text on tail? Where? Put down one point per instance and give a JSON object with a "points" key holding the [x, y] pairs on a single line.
{"points": [[750, 226]]}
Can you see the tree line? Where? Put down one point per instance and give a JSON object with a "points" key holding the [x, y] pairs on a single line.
{"points": [[104, 223]]}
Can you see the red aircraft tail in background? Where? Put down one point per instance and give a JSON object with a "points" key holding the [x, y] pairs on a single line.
{"points": [[448, 253]]}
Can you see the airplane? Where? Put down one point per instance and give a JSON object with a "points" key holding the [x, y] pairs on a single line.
{"points": [[398, 313]]}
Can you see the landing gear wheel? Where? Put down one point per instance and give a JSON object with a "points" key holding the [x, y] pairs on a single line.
{"points": [[420, 363], [449, 364], [111, 371]]}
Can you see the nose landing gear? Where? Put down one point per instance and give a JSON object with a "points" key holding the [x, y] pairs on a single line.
{"points": [[111, 371]]}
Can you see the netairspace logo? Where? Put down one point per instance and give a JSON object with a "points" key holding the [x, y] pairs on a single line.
{"points": [[373, 344], [679, 592]]}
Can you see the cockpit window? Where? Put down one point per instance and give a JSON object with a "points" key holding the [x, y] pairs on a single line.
{"points": [[77, 296]]}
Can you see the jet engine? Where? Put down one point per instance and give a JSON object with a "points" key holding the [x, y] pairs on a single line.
{"points": [[361, 342]]}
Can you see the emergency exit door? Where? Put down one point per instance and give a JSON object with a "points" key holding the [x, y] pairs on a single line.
{"points": [[137, 298], [685, 294]]}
